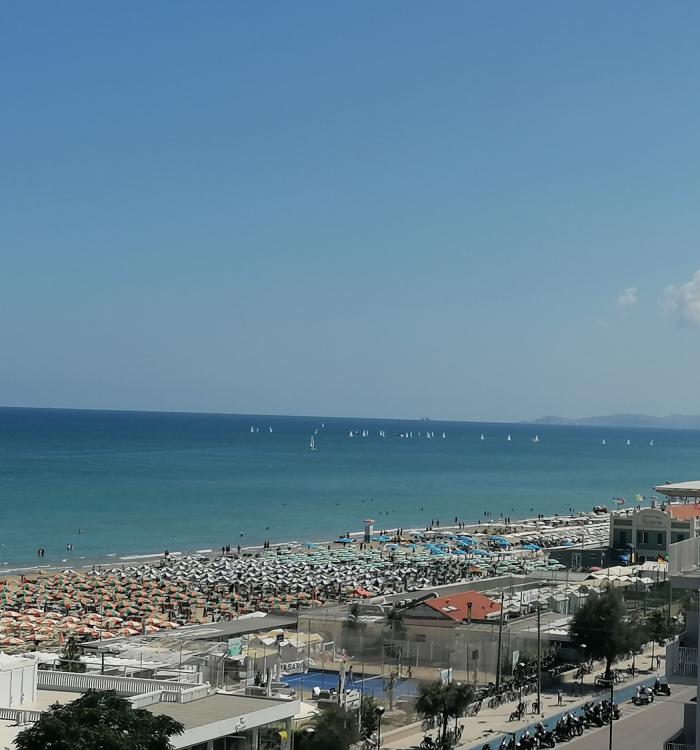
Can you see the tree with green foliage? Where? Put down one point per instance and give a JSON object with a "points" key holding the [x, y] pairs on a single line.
{"points": [[443, 702], [335, 728], [602, 627], [99, 721], [70, 658], [369, 716], [660, 628]]}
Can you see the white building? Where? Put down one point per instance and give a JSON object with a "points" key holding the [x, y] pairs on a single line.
{"points": [[213, 720], [682, 653]]}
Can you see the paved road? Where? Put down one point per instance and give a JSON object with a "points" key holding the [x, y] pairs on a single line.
{"points": [[644, 728]]}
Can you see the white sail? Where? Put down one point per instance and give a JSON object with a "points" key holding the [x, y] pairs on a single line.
{"points": [[482, 436], [508, 438], [603, 442], [628, 442], [350, 434], [312, 443], [270, 428], [252, 429], [651, 444]]}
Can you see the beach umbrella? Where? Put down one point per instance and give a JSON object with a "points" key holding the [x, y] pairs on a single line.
{"points": [[344, 540]]}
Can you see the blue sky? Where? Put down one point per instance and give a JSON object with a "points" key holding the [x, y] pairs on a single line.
{"points": [[462, 210]]}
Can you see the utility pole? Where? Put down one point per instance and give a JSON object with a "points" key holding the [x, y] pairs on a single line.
{"points": [[500, 641], [539, 663]]}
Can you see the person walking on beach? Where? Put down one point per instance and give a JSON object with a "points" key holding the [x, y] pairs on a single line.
{"points": [[560, 698]]}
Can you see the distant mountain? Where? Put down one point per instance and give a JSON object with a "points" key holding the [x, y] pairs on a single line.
{"points": [[672, 421]]}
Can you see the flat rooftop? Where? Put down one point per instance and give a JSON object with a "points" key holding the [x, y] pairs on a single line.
{"points": [[215, 708], [680, 489]]}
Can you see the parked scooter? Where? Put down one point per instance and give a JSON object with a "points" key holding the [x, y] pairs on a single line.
{"points": [[644, 696], [544, 737], [661, 688]]}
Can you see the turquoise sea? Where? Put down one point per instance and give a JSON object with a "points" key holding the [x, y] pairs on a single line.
{"points": [[139, 483]]}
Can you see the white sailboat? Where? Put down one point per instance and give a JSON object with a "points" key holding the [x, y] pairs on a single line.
{"points": [[443, 436], [508, 438], [651, 444], [536, 439], [312, 443], [323, 424], [252, 429], [628, 442], [270, 428], [482, 436], [603, 442], [350, 434]]}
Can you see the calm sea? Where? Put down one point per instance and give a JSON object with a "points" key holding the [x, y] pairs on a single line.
{"points": [[138, 483]]}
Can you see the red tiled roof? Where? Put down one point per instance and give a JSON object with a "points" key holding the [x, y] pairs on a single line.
{"points": [[682, 512], [456, 606]]}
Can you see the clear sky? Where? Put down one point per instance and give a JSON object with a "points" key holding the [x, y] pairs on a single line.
{"points": [[463, 210]]}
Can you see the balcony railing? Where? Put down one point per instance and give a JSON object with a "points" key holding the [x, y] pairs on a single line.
{"points": [[47, 678], [19, 715], [684, 556], [677, 746], [681, 661]]}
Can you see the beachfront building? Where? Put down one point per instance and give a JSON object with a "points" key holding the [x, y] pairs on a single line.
{"points": [[467, 606], [649, 532], [213, 720]]}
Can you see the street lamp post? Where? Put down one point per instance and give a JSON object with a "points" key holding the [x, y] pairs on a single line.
{"points": [[380, 713], [583, 647]]}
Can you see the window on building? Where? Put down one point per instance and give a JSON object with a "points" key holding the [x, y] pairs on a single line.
{"points": [[642, 537], [660, 537]]}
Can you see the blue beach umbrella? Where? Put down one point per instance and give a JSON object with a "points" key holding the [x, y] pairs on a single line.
{"points": [[434, 549], [382, 538], [344, 540], [533, 547], [481, 553]]}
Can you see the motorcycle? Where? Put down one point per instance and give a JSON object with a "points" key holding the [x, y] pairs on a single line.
{"points": [[544, 737], [518, 713], [428, 743], [661, 688], [644, 697], [592, 715]]}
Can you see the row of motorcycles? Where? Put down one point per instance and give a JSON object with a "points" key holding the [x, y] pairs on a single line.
{"points": [[570, 725]]}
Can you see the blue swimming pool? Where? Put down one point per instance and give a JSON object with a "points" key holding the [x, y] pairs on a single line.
{"points": [[373, 685]]}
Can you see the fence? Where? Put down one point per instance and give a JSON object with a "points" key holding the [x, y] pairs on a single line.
{"points": [[80, 682], [19, 715], [681, 661], [684, 556]]}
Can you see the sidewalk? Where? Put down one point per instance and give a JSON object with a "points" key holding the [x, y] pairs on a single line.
{"points": [[491, 723]]}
